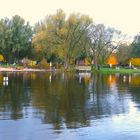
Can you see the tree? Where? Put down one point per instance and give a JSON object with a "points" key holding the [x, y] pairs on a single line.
{"points": [[60, 37], [5, 36], [103, 42], [15, 38], [47, 39], [134, 61], [136, 46], [77, 36], [123, 53], [112, 60], [21, 37]]}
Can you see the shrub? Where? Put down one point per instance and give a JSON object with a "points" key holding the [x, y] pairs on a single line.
{"points": [[1, 58], [28, 63], [43, 64], [134, 61]]}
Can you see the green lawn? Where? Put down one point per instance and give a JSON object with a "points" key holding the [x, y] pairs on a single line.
{"points": [[121, 70]]}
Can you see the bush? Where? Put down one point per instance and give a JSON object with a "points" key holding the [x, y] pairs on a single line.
{"points": [[43, 64], [134, 61], [29, 63], [1, 58]]}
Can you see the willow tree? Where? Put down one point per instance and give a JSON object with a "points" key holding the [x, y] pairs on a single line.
{"points": [[61, 37], [47, 40], [77, 36]]}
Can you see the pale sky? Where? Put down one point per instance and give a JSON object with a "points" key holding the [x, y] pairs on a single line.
{"points": [[120, 14]]}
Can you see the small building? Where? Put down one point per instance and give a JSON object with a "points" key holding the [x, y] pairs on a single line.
{"points": [[83, 62]]}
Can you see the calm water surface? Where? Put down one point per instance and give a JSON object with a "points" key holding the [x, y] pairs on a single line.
{"points": [[57, 106]]}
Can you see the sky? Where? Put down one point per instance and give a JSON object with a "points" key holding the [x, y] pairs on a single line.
{"points": [[120, 14]]}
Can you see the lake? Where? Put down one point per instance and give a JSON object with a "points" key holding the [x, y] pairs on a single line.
{"points": [[72, 106]]}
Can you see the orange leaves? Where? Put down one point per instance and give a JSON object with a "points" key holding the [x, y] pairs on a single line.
{"points": [[112, 60]]}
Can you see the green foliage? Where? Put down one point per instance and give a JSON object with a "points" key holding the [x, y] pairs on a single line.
{"points": [[28, 63], [61, 37], [136, 47], [121, 70], [103, 42], [15, 38], [123, 53]]}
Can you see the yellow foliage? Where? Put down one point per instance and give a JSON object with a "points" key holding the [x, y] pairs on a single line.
{"points": [[77, 18], [85, 19], [112, 60], [32, 63], [43, 64], [39, 36], [63, 31], [28, 62], [59, 16], [134, 61], [72, 19], [1, 58], [39, 48], [87, 62]]}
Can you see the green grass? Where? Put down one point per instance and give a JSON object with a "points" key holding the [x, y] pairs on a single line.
{"points": [[10, 65], [121, 70]]}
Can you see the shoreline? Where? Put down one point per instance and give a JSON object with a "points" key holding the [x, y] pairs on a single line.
{"points": [[2, 69], [102, 70]]}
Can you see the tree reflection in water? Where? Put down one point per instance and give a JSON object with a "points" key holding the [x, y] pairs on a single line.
{"points": [[66, 100]]}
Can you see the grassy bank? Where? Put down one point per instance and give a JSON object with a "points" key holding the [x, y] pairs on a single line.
{"points": [[121, 70]]}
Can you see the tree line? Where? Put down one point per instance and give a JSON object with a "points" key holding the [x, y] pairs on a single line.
{"points": [[63, 40]]}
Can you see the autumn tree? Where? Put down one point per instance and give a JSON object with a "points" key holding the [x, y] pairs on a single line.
{"points": [[123, 53], [112, 60], [39, 41], [134, 61], [77, 36], [61, 37], [47, 40], [103, 42]]}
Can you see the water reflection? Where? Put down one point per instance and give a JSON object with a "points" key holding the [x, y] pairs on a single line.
{"points": [[67, 100]]}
